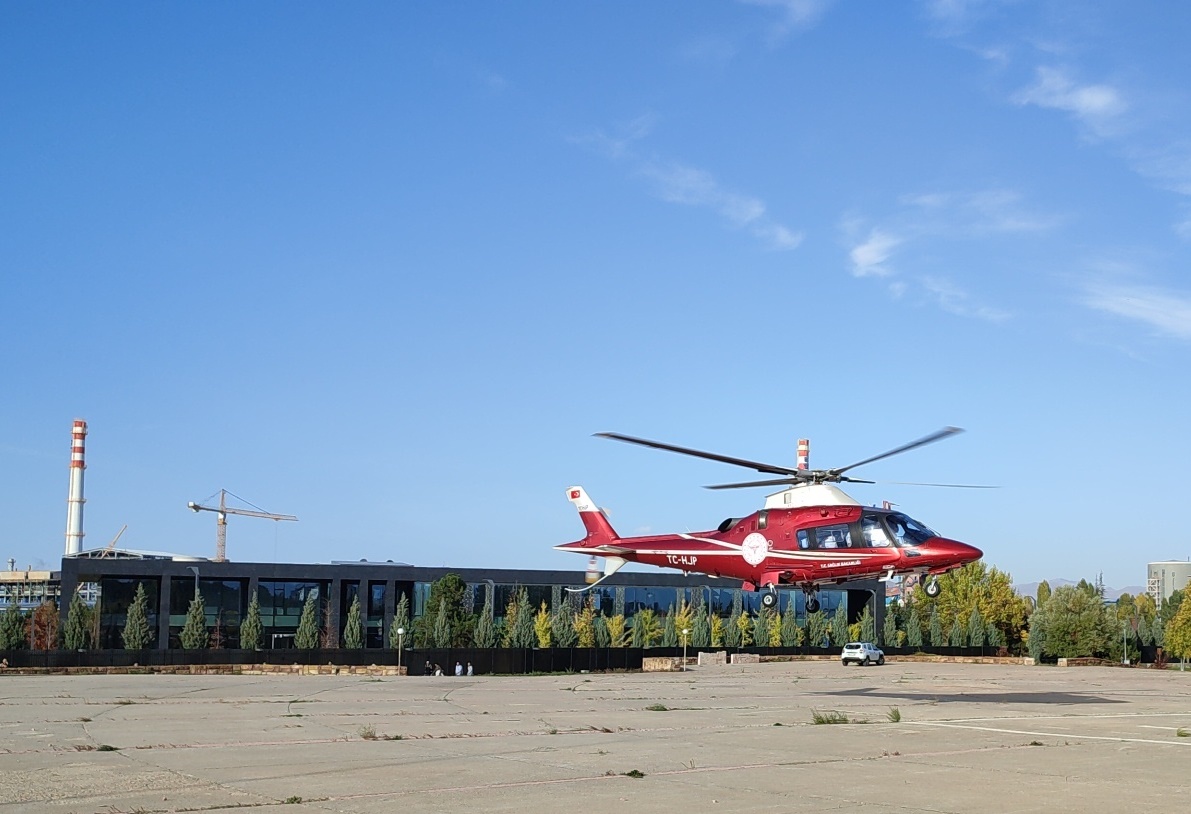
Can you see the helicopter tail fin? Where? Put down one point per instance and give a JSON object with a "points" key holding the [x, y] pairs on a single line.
{"points": [[599, 530]]}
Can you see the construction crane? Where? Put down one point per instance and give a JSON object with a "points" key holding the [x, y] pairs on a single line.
{"points": [[221, 513]]}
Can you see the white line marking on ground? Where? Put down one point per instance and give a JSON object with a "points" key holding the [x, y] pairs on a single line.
{"points": [[1049, 734]]}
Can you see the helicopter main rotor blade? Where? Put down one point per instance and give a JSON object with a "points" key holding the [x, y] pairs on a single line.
{"points": [[946, 432], [774, 482], [944, 485], [711, 456]]}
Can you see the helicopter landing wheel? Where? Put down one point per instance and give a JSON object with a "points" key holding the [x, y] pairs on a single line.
{"points": [[812, 603], [769, 598], [932, 587]]}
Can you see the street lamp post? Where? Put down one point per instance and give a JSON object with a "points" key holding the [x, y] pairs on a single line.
{"points": [[685, 633], [194, 568], [400, 633]]}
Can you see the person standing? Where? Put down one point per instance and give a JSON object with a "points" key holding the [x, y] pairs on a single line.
{"points": [[470, 672], [458, 668]]}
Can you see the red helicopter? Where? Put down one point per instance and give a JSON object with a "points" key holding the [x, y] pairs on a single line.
{"points": [[807, 535]]}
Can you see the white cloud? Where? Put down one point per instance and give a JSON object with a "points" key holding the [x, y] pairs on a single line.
{"points": [[1167, 312], [795, 14], [1096, 106], [975, 213], [869, 257], [954, 300]]}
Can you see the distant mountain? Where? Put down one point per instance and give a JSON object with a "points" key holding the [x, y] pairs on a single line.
{"points": [[1031, 588]]}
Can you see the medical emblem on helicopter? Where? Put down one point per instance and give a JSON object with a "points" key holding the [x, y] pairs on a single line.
{"points": [[812, 519]]}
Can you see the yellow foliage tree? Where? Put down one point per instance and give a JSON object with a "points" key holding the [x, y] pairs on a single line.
{"points": [[775, 629], [541, 626], [585, 625], [717, 631], [616, 630], [745, 622], [1178, 632], [977, 585], [684, 618]]}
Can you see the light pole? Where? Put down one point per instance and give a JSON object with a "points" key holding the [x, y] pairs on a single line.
{"points": [[685, 633], [400, 633], [194, 568], [1124, 642]]}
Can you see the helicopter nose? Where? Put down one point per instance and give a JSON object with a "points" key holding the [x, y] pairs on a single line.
{"points": [[962, 551]]}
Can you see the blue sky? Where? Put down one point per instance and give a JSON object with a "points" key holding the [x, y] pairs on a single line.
{"points": [[387, 267]]}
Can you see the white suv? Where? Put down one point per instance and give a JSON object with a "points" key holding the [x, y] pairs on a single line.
{"points": [[861, 653]]}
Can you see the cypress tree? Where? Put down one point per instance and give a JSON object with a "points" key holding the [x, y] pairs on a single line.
{"points": [[670, 631], [400, 622], [816, 628], [761, 628], [353, 632], [194, 632], [791, 632], [868, 626], [307, 636], [889, 629], [524, 634], [78, 624], [914, 629], [136, 634], [977, 630], [442, 626], [936, 628], [250, 631], [600, 626], [957, 637], [12, 629], [562, 626], [485, 633], [732, 631], [839, 625], [701, 628]]}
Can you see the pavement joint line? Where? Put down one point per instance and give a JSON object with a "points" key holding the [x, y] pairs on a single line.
{"points": [[1065, 735]]}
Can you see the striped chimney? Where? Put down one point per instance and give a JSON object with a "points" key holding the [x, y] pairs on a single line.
{"points": [[804, 453], [74, 498]]}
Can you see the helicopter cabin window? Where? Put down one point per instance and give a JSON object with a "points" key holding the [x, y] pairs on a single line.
{"points": [[837, 536], [907, 531], [762, 519], [804, 540], [874, 533]]}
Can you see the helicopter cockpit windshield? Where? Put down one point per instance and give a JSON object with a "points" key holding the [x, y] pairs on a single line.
{"points": [[908, 531]]}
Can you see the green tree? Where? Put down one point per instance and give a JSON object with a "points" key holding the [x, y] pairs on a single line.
{"points": [[13, 631], [137, 634], [994, 636], [584, 625], [400, 622], [1170, 607], [451, 590], [250, 631], [353, 630], [1075, 622], [978, 585], [524, 634], [760, 630], [889, 628], [731, 634], [1158, 631], [914, 629], [599, 626], [701, 628], [1042, 594], [839, 625], [977, 629], [1178, 634], [817, 626], [669, 630], [194, 631], [440, 634], [936, 629], [868, 625], [562, 625], [307, 637], [1036, 643], [791, 633], [78, 624], [485, 632], [1144, 632], [958, 637], [647, 628]]}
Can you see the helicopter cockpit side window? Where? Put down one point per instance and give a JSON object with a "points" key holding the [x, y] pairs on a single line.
{"points": [[907, 531], [837, 536], [874, 533], [804, 539]]}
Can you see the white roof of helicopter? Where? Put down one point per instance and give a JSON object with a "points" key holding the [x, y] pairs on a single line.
{"points": [[809, 494]]}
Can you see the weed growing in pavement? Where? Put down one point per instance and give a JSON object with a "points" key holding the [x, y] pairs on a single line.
{"points": [[829, 717]]}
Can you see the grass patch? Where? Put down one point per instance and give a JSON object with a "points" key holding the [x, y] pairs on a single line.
{"points": [[124, 702], [634, 773], [103, 747], [830, 716], [368, 732], [391, 737], [1035, 743], [1182, 733], [292, 800], [658, 708], [85, 720], [894, 715]]}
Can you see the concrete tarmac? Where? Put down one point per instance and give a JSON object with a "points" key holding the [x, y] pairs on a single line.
{"points": [[971, 738]]}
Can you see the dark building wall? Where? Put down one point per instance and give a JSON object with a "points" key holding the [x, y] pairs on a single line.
{"points": [[227, 588]]}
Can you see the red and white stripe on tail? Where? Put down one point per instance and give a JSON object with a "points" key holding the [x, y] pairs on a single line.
{"points": [[599, 530]]}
